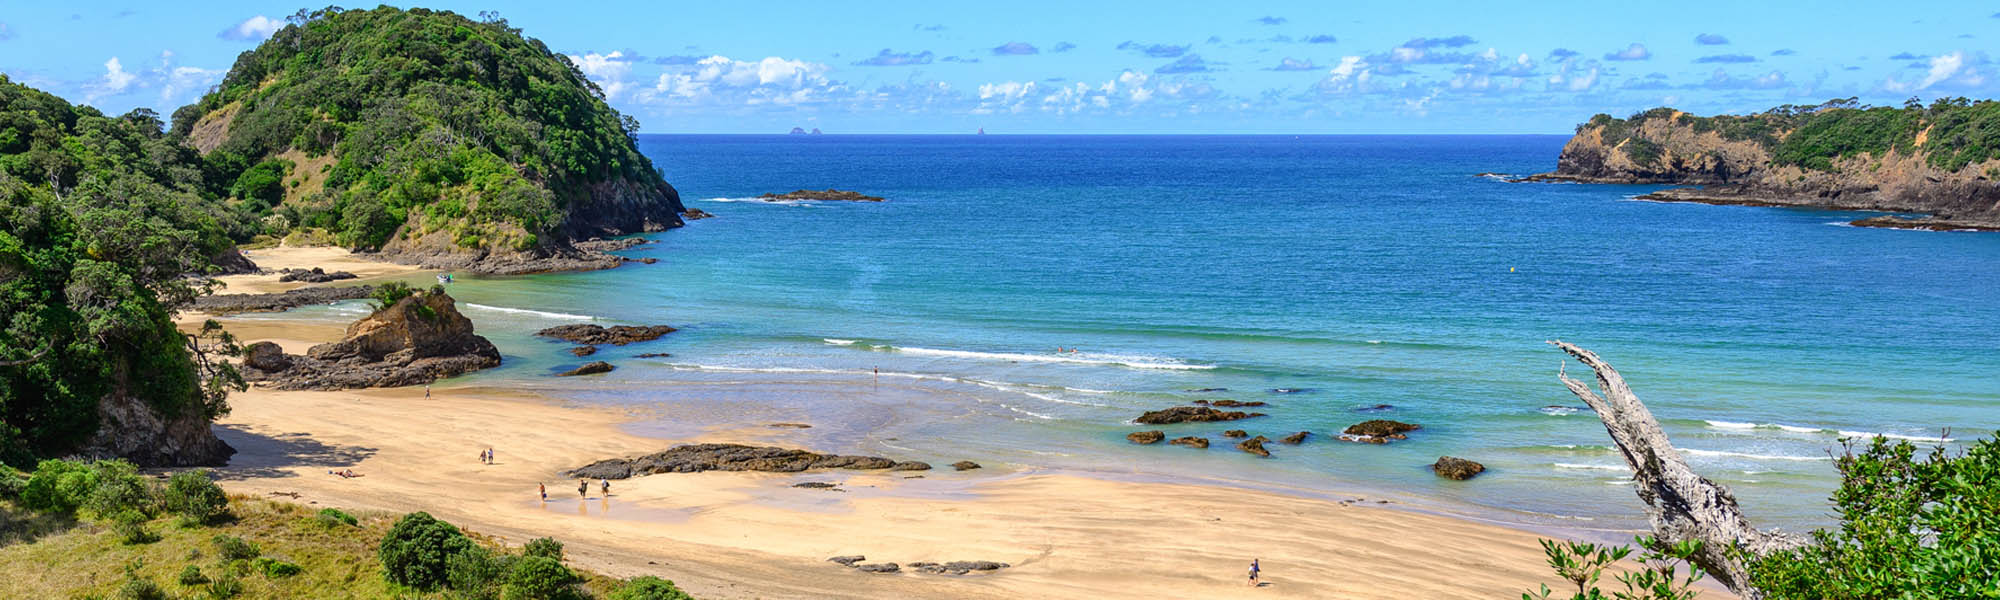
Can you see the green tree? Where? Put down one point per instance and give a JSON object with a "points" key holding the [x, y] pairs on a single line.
{"points": [[648, 587], [540, 578], [194, 496], [416, 549]]}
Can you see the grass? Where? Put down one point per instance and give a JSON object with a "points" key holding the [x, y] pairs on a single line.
{"points": [[54, 559]]}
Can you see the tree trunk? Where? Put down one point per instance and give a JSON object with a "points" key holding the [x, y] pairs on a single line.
{"points": [[1681, 504]]}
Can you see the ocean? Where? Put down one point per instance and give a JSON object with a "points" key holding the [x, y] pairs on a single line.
{"points": [[1320, 274]]}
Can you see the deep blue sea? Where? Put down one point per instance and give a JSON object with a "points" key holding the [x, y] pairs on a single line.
{"points": [[1320, 274]]}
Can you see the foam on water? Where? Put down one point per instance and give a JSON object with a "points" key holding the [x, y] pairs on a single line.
{"points": [[1749, 455], [1739, 426], [1121, 360], [538, 313]]}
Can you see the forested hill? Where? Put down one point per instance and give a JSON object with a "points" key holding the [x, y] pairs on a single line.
{"points": [[428, 136], [1942, 160]]}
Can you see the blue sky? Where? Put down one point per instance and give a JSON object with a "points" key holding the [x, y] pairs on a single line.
{"points": [[1114, 67]]}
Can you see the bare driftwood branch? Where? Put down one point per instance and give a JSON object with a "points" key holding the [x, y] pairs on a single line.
{"points": [[1681, 504]]}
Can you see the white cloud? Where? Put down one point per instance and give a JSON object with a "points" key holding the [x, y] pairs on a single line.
{"points": [[1636, 51], [115, 81], [723, 80], [606, 70], [253, 29], [1957, 70]]}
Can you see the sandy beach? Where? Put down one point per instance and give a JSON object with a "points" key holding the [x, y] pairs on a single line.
{"points": [[753, 535]]}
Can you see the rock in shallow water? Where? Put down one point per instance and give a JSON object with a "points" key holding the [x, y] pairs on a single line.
{"points": [[696, 458], [1450, 467], [1236, 433], [616, 335], [1146, 437], [1378, 431], [1191, 414], [1296, 438], [590, 368], [1255, 446], [965, 465], [1191, 442]]}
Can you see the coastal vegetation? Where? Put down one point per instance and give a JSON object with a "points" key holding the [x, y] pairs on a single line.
{"points": [[406, 124], [1949, 133], [194, 542]]}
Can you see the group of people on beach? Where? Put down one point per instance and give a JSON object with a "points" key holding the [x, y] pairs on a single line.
{"points": [[486, 456], [582, 488]]}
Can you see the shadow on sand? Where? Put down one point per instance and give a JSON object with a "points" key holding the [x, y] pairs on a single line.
{"points": [[261, 456]]}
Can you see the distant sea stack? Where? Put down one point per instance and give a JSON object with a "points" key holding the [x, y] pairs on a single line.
{"points": [[802, 131], [429, 138], [1941, 160], [827, 195]]}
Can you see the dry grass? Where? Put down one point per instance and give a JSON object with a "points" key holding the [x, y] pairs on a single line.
{"points": [[52, 559]]}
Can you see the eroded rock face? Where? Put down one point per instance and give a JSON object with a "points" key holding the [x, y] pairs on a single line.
{"points": [[1146, 437], [589, 368], [1255, 446], [1192, 414], [616, 335], [697, 458], [130, 428], [1378, 431], [418, 340], [1450, 467], [1191, 442]]}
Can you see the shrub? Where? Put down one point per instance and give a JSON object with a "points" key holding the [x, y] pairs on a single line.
{"points": [[540, 578], [416, 548], [476, 573], [193, 495], [58, 486], [649, 587], [333, 517], [235, 548], [140, 588], [544, 547], [119, 488], [388, 294], [11, 484], [277, 569], [225, 585], [1583, 564], [131, 528], [191, 576]]}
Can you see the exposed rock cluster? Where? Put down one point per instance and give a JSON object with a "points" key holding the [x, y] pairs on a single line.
{"points": [[825, 195], [1450, 467], [419, 339], [1378, 431], [1191, 414], [616, 335], [313, 275], [235, 303], [697, 458]]}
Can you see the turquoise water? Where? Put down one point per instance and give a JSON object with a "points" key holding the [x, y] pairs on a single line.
{"points": [[1319, 274]]}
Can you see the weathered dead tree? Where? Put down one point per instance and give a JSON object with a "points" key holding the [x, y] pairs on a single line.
{"points": [[1681, 504]]}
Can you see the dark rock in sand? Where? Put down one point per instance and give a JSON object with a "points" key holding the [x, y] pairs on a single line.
{"points": [[1236, 403], [696, 214], [1375, 408], [266, 356], [911, 465], [1296, 438], [616, 335], [232, 262], [958, 567], [819, 485], [1235, 433], [313, 275], [418, 340], [589, 368], [1146, 437], [829, 194], [965, 465], [1456, 468], [234, 303], [1191, 414], [1378, 431], [789, 426], [878, 567], [1191, 442], [583, 350], [847, 561], [696, 458], [1255, 446]]}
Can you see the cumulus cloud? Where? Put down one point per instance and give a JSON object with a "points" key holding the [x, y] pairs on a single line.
{"points": [[1573, 76], [1727, 58], [1127, 91], [1906, 56], [1783, 52], [1321, 39], [1352, 75], [1268, 20], [1724, 81], [1015, 49], [1710, 39], [1155, 50], [958, 59], [1563, 54], [1456, 41], [115, 81], [1063, 47], [253, 29], [1636, 51], [608, 71], [889, 58], [721, 80], [1191, 63], [1958, 70], [1293, 64]]}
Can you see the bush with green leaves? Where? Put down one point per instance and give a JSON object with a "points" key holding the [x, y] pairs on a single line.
{"points": [[544, 547], [140, 588], [235, 548], [388, 294], [120, 489], [11, 484], [648, 587], [1666, 574], [194, 496], [276, 568], [1913, 525], [191, 576], [334, 517], [131, 528], [226, 585], [415, 550], [106, 488], [540, 578], [477, 574]]}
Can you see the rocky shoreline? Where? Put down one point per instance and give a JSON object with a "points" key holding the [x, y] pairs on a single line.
{"points": [[698, 458], [417, 340], [222, 304]]}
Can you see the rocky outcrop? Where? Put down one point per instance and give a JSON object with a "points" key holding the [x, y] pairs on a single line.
{"points": [[222, 304], [418, 340], [821, 195], [1255, 446], [589, 368], [129, 427], [695, 214], [313, 275], [1752, 160], [616, 335], [583, 350], [958, 567], [964, 465], [1378, 431], [1191, 414], [1230, 403], [1191, 442], [232, 262], [697, 458], [266, 356], [1146, 437], [1296, 438], [1450, 467], [1235, 433]]}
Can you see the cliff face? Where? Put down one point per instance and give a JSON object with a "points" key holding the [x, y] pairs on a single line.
{"points": [[1786, 160], [131, 428]]}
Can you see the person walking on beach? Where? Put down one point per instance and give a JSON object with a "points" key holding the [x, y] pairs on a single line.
{"points": [[1253, 572], [545, 490], [582, 488], [607, 486], [427, 391]]}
